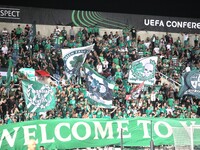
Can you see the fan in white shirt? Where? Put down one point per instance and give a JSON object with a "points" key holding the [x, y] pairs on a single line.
{"points": [[105, 64], [187, 69], [4, 49], [99, 68]]}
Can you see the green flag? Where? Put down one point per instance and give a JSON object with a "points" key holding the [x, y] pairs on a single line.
{"points": [[29, 73], [38, 97]]}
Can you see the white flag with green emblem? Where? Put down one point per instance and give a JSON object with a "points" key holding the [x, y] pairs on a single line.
{"points": [[38, 97], [74, 58], [143, 70]]}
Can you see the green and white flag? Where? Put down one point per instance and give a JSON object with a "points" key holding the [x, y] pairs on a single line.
{"points": [[143, 70], [74, 58], [190, 84], [29, 73], [38, 97], [99, 88]]}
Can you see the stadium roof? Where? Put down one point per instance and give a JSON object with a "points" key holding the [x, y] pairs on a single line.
{"points": [[156, 7]]}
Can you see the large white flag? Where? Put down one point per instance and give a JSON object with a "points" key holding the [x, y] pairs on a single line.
{"points": [[74, 58], [143, 70]]}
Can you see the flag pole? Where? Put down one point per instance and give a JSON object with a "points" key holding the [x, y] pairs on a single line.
{"points": [[151, 142], [121, 139], [169, 78]]}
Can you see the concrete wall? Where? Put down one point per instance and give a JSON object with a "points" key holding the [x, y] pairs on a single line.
{"points": [[46, 30], [144, 34]]}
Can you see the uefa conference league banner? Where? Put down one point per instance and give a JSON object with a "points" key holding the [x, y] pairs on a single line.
{"points": [[80, 18], [82, 133], [143, 70]]}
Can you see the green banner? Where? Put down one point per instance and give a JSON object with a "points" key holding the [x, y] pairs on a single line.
{"points": [[82, 133]]}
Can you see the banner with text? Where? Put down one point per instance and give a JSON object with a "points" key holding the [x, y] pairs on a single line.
{"points": [[80, 18], [82, 133]]}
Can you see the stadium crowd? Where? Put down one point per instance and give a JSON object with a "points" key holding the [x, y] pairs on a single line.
{"points": [[111, 58]]}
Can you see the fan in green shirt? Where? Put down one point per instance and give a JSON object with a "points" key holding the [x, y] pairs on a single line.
{"points": [[36, 47], [148, 111], [47, 46], [80, 34], [194, 107], [170, 102], [118, 74], [163, 109], [73, 102], [159, 96], [99, 114], [116, 60], [18, 31]]}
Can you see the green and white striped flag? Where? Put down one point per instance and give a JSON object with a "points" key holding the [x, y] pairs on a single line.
{"points": [[38, 97]]}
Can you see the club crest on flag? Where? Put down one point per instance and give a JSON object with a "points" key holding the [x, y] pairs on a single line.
{"points": [[39, 97], [143, 70], [73, 59], [195, 81], [190, 84]]}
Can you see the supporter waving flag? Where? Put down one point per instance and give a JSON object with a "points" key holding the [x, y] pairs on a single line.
{"points": [[38, 97], [99, 88], [143, 70], [32, 32], [74, 58]]}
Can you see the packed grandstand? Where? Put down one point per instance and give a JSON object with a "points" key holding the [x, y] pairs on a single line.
{"points": [[111, 57]]}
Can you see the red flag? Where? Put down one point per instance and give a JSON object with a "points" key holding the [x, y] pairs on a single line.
{"points": [[135, 92]]}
